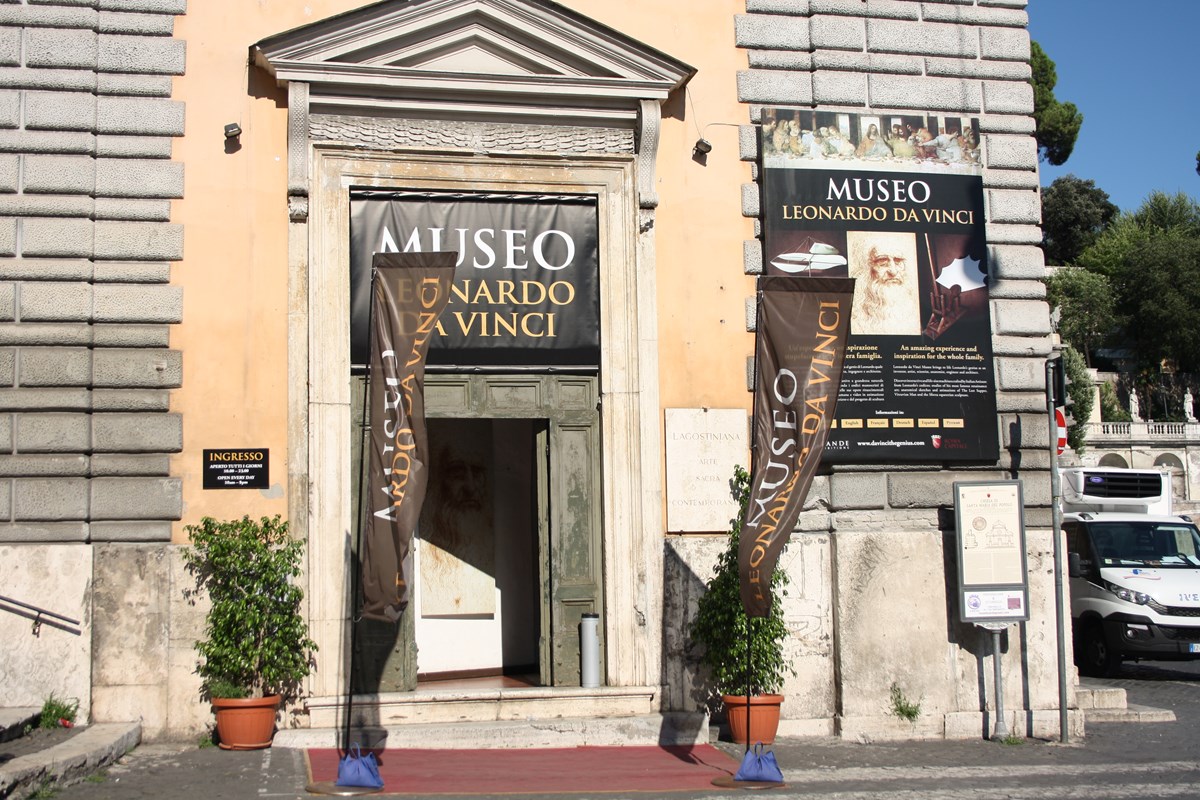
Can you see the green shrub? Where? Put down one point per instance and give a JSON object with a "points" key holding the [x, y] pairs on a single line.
{"points": [[256, 640], [722, 628], [1111, 409]]}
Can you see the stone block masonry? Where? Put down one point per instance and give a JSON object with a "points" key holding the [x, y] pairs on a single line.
{"points": [[878, 609], [967, 58], [86, 244]]}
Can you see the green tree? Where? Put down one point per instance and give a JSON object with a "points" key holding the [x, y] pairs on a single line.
{"points": [[1087, 307], [1165, 212], [1082, 397], [1074, 214], [1159, 287], [1152, 260], [1111, 409], [1123, 236], [1056, 124]]}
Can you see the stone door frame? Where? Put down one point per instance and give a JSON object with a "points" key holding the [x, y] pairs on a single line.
{"points": [[320, 473]]}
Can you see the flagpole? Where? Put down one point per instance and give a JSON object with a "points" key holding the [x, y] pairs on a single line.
{"points": [[749, 622], [364, 429], [758, 321]]}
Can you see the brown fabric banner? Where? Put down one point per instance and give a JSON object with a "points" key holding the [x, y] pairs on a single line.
{"points": [[408, 293], [802, 328]]}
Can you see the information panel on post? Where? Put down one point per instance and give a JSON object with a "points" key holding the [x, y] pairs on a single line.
{"points": [[992, 572]]}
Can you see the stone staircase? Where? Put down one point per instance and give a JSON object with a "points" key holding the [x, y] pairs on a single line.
{"points": [[1100, 703], [500, 718], [13, 721], [565, 717], [35, 767]]}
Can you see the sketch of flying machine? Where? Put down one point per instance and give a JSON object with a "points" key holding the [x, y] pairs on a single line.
{"points": [[818, 257], [951, 293]]}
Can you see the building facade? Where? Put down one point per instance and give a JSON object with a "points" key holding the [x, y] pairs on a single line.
{"points": [[183, 183]]}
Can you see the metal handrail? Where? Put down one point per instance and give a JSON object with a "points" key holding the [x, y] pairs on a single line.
{"points": [[40, 616]]}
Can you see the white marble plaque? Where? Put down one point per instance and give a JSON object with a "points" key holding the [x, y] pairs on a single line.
{"points": [[703, 447]]}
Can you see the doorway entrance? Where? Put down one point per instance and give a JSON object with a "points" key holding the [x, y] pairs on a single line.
{"points": [[508, 548], [478, 604]]}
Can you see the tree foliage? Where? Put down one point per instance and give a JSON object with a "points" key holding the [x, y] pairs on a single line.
{"points": [[1151, 258], [1056, 124], [722, 628], [1160, 291], [255, 635], [1087, 306], [1082, 397], [1167, 212], [1074, 214], [1111, 409]]}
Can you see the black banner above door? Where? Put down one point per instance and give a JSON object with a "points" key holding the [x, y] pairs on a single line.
{"points": [[526, 283]]}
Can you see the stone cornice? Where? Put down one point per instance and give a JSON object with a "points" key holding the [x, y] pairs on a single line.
{"points": [[472, 59]]}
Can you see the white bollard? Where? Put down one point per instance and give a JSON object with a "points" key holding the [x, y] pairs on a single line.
{"points": [[589, 651]]}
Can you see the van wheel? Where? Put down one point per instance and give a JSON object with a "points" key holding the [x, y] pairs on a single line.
{"points": [[1096, 657]]}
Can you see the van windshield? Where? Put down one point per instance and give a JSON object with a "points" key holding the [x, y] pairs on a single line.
{"points": [[1147, 544]]}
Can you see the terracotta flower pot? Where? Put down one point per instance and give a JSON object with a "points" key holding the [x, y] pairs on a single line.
{"points": [[246, 723], [764, 717]]}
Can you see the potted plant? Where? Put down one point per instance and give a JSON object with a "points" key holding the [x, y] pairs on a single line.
{"points": [[723, 630], [256, 649]]}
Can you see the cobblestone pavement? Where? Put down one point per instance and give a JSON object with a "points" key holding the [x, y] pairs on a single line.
{"points": [[1116, 760]]}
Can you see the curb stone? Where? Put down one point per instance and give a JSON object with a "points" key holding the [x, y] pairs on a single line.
{"points": [[1132, 713], [14, 720], [91, 749]]}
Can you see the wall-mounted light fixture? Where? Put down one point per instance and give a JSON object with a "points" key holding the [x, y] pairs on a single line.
{"points": [[702, 148], [233, 130]]}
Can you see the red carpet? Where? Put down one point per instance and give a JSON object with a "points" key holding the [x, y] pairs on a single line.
{"points": [[574, 769]]}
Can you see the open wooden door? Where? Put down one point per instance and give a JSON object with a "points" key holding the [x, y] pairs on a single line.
{"points": [[574, 546]]}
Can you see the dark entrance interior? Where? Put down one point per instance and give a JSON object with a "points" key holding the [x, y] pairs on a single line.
{"points": [[522, 467], [478, 604]]}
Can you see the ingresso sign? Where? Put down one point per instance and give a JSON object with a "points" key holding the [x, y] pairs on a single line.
{"points": [[237, 468]]}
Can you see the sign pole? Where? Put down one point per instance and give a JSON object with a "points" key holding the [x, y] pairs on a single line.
{"points": [[1057, 533], [1001, 731]]}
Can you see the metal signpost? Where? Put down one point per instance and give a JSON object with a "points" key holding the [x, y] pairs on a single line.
{"points": [[1058, 435]]}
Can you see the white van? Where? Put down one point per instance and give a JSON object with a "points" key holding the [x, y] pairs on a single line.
{"points": [[1134, 569]]}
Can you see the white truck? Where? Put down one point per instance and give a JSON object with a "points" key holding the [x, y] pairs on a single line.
{"points": [[1134, 569]]}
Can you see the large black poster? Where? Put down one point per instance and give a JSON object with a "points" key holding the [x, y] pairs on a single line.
{"points": [[526, 282], [895, 201]]}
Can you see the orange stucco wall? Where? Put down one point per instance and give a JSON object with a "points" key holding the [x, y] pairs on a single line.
{"points": [[699, 227], [235, 276]]}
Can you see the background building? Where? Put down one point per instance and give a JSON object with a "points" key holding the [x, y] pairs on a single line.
{"points": [[171, 286]]}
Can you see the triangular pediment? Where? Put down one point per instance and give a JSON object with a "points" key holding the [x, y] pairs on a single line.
{"points": [[469, 56]]}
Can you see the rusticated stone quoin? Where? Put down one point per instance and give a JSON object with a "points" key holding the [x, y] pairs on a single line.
{"points": [[86, 180]]}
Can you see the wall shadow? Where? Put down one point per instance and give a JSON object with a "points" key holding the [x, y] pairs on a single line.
{"points": [[967, 636], [368, 643], [686, 696]]}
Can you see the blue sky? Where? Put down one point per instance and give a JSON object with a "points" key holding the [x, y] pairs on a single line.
{"points": [[1130, 67]]}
